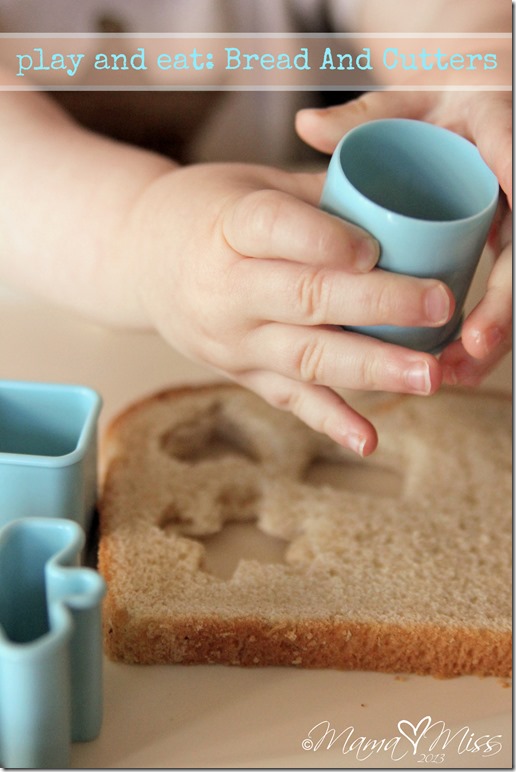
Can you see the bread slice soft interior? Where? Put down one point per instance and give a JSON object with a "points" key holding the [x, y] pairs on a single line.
{"points": [[397, 563]]}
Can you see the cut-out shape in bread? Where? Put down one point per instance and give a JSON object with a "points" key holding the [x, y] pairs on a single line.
{"points": [[398, 563]]}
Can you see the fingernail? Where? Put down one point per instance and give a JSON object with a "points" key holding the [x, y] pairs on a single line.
{"points": [[493, 337], [488, 340], [356, 443], [417, 378], [318, 112], [367, 253], [437, 305]]}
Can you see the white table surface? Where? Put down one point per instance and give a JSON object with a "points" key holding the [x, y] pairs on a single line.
{"points": [[215, 716]]}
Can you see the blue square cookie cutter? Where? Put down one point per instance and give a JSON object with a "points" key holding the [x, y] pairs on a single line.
{"points": [[48, 450], [50, 643]]}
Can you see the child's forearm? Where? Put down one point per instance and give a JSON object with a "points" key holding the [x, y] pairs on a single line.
{"points": [[437, 16], [440, 16], [66, 194]]}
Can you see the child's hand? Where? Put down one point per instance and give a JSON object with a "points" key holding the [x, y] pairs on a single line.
{"points": [[487, 332], [239, 269], [486, 119]]}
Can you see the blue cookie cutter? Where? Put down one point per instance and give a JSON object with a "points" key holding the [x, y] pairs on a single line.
{"points": [[48, 450], [50, 643]]}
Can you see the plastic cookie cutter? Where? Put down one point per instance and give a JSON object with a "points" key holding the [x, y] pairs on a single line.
{"points": [[48, 451], [50, 643]]}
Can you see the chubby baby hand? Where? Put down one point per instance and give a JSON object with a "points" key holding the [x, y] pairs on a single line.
{"points": [[240, 269]]}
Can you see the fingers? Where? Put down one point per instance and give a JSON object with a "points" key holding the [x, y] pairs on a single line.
{"points": [[339, 359], [274, 224], [322, 129], [490, 126], [319, 407], [461, 369], [487, 332], [317, 295], [490, 324]]}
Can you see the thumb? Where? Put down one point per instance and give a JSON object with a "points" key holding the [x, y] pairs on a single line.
{"points": [[322, 129]]}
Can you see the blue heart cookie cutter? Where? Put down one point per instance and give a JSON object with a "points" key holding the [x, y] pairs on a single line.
{"points": [[50, 643]]}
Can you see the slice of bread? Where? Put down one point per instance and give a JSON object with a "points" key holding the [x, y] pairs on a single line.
{"points": [[398, 563]]}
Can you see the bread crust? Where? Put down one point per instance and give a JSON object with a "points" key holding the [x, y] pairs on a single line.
{"points": [[255, 642], [135, 633]]}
